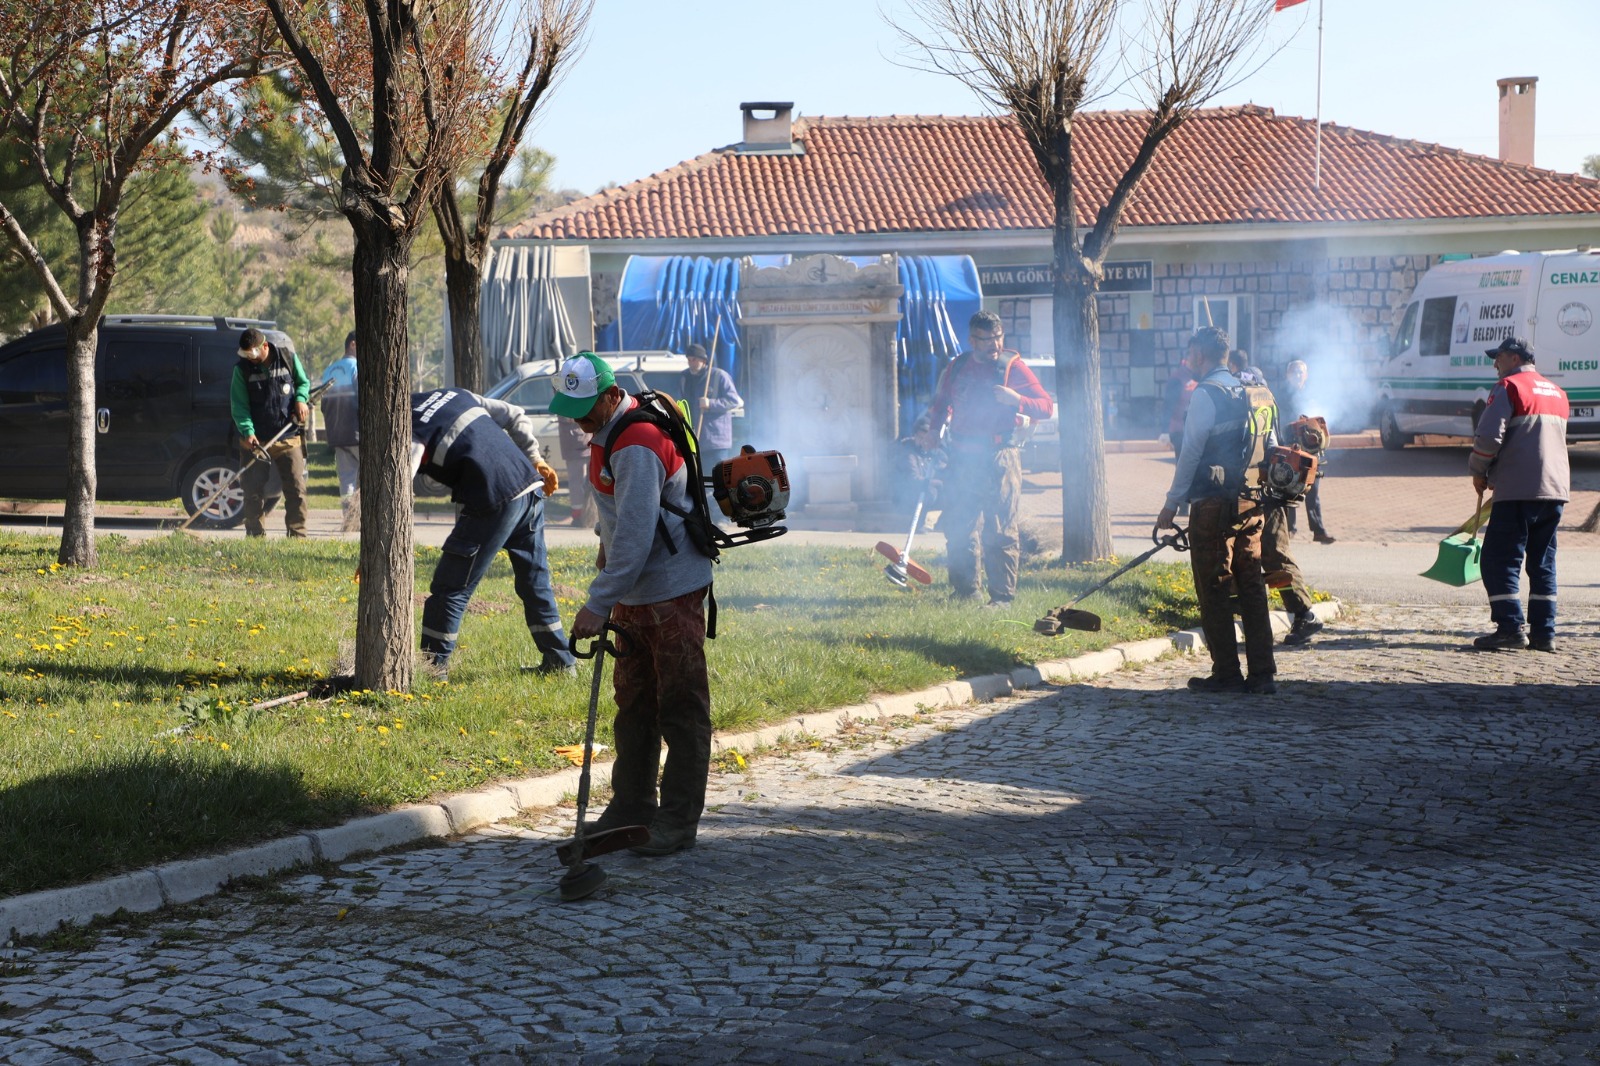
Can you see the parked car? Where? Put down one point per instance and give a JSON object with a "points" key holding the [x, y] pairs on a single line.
{"points": [[1042, 448], [531, 385], [162, 419], [1438, 376]]}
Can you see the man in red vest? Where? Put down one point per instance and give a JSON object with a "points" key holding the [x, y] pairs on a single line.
{"points": [[984, 395], [1521, 453]]}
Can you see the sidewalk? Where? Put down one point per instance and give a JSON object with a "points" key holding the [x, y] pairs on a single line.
{"points": [[1394, 860]]}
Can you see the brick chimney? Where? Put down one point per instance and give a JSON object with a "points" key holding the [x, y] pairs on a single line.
{"points": [[768, 129], [1516, 119]]}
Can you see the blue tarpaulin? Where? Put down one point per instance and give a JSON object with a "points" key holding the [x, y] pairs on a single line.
{"points": [[666, 302]]}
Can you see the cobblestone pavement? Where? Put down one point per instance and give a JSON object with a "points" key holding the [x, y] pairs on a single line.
{"points": [[1394, 860]]}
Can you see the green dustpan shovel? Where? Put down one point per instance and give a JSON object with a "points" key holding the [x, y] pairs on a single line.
{"points": [[1460, 553]]}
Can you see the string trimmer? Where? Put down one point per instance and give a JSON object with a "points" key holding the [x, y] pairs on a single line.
{"points": [[1069, 617], [583, 878], [900, 565], [260, 456]]}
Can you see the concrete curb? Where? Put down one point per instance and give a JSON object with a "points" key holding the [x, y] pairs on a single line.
{"points": [[191, 879]]}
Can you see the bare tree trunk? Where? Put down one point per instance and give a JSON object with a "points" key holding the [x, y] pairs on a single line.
{"points": [[463, 291], [1075, 321], [384, 627], [77, 528]]}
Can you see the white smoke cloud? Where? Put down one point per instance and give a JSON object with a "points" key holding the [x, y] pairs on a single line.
{"points": [[1338, 353]]}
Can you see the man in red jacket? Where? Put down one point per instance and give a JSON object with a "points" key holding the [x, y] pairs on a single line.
{"points": [[984, 395], [1521, 452]]}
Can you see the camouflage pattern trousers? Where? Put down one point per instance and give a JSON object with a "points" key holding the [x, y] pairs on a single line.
{"points": [[1276, 560], [1225, 554], [663, 695]]}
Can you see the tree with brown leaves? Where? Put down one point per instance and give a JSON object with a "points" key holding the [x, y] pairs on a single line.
{"points": [[1041, 62], [89, 94], [408, 88], [551, 32]]}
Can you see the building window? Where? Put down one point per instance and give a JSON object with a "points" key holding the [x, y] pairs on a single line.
{"points": [[1236, 314], [1016, 318]]}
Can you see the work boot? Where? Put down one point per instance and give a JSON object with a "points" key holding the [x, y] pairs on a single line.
{"points": [[1000, 602], [666, 839], [616, 815], [1321, 537], [438, 666], [1305, 627], [1542, 644], [1261, 684], [1502, 640], [1217, 683]]}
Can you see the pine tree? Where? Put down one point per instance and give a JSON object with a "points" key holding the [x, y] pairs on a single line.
{"points": [[313, 305], [168, 261]]}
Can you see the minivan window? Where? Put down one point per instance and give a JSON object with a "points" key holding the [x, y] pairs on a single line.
{"points": [[1438, 315], [37, 376], [533, 394], [1406, 333], [145, 370]]}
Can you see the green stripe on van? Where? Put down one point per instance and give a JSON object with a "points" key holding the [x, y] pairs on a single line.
{"points": [[1453, 384]]}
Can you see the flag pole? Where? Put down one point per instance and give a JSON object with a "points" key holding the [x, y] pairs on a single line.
{"points": [[1317, 173]]}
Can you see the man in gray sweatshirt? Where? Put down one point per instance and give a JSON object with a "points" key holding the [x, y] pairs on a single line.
{"points": [[652, 584], [1521, 452], [1224, 529]]}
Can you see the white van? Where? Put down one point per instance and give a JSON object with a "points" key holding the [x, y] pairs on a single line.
{"points": [[1437, 379]]}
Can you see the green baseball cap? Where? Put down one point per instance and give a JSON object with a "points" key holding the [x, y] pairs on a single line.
{"points": [[581, 381]]}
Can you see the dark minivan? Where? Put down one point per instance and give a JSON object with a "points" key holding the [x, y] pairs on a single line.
{"points": [[162, 416]]}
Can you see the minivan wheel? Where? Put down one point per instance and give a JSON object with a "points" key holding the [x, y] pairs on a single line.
{"points": [[1389, 431], [201, 480]]}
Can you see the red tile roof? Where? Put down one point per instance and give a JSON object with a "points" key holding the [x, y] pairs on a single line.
{"points": [[904, 174]]}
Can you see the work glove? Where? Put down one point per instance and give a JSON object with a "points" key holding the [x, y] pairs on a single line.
{"points": [[548, 472]]}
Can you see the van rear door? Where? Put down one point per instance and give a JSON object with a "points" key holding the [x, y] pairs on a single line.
{"points": [[1567, 343]]}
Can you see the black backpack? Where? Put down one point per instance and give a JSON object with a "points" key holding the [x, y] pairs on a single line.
{"points": [[661, 411]]}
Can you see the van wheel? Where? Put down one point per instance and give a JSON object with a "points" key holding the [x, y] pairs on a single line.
{"points": [[203, 478], [1389, 431]]}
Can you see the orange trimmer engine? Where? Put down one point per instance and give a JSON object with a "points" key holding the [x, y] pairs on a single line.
{"points": [[1290, 469], [752, 488]]}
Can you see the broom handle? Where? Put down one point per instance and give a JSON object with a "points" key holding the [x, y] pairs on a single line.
{"points": [[1475, 521], [705, 386]]}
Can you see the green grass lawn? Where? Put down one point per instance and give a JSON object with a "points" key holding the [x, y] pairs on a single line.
{"points": [[126, 736]]}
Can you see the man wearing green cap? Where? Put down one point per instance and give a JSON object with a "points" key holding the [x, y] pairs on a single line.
{"points": [[652, 583]]}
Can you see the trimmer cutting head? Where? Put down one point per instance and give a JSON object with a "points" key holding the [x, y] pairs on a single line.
{"points": [[1064, 618], [581, 882], [896, 574]]}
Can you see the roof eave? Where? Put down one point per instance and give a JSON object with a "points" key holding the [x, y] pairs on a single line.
{"points": [[958, 241]]}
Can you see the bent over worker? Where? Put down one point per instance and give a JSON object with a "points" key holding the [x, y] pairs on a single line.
{"points": [[486, 453], [652, 584], [983, 395]]}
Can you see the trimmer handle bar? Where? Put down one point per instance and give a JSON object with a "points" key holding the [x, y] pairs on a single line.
{"points": [[600, 643]]}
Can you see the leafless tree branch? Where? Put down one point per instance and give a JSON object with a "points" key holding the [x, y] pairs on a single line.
{"points": [[1040, 63]]}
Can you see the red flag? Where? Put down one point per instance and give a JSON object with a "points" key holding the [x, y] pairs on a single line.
{"points": [[1283, 5]]}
